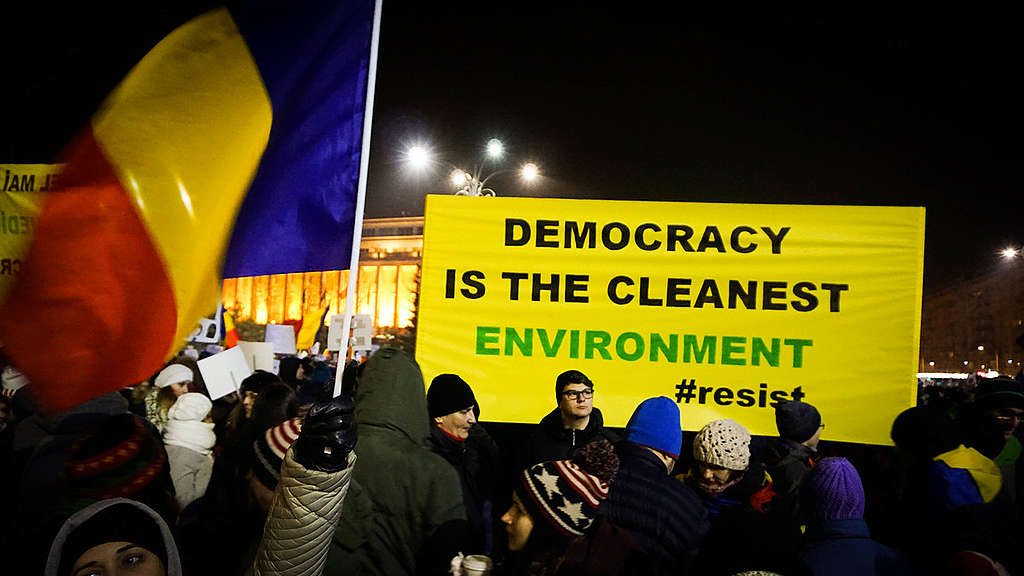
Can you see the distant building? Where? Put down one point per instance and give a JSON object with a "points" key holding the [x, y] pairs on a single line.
{"points": [[389, 259], [973, 325]]}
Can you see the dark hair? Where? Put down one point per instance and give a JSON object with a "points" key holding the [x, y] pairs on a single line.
{"points": [[258, 382], [288, 369], [570, 377], [925, 432], [276, 404]]}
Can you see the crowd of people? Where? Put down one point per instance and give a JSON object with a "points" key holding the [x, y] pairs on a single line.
{"points": [[397, 477]]}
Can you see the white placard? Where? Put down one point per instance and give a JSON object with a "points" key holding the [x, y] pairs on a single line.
{"points": [[259, 355], [282, 336], [362, 322], [206, 332], [334, 336], [224, 372]]}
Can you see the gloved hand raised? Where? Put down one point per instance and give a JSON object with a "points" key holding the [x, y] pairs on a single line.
{"points": [[328, 435]]}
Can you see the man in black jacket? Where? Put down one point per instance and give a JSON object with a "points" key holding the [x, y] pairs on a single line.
{"points": [[572, 425], [672, 530], [793, 455], [456, 437]]}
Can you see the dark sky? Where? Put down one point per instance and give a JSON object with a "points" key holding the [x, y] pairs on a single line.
{"points": [[638, 103]]}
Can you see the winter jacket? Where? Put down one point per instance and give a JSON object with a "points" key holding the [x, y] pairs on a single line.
{"points": [[190, 473], [553, 441], [606, 550], [844, 548], [476, 460], [787, 463], [746, 532], [300, 524], [663, 515], [404, 512], [173, 565]]}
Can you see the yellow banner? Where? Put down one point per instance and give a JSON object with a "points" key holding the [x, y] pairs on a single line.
{"points": [[21, 195], [725, 308]]}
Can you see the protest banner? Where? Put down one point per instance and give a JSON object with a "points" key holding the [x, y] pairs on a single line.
{"points": [[22, 188], [726, 308]]}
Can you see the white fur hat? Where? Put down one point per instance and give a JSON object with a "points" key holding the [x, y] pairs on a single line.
{"points": [[190, 406]]}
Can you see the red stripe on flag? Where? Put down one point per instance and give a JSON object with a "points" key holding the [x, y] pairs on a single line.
{"points": [[92, 310]]}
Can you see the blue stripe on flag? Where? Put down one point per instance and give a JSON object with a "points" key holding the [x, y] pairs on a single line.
{"points": [[314, 58]]}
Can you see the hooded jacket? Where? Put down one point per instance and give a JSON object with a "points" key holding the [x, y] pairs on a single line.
{"points": [[53, 561], [553, 441], [404, 512], [787, 463]]}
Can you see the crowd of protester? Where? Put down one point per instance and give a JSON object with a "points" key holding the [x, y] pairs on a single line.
{"points": [[396, 477]]}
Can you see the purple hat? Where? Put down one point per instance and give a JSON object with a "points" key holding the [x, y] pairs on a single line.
{"points": [[833, 491]]}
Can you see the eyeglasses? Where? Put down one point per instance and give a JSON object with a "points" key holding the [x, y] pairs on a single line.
{"points": [[577, 394]]}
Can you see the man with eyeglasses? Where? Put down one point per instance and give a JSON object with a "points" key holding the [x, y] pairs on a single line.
{"points": [[572, 425]]}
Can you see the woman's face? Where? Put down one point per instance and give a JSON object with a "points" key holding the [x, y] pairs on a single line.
{"points": [[518, 524], [179, 388], [713, 480], [118, 558]]}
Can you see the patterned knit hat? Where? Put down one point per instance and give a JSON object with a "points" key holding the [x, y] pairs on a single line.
{"points": [[566, 493], [724, 443], [833, 491], [270, 449], [119, 460]]}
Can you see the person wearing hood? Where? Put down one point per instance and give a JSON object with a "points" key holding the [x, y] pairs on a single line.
{"points": [[404, 512], [456, 437], [793, 453], [112, 537], [189, 441], [570, 426]]}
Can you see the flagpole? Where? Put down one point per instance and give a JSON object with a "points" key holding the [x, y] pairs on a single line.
{"points": [[357, 226]]}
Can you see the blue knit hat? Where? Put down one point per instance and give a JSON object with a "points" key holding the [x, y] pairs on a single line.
{"points": [[655, 424]]}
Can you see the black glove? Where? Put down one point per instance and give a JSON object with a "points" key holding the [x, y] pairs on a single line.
{"points": [[328, 435]]}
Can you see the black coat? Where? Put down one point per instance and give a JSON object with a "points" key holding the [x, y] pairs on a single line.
{"points": [[552, 441], [663, 515], [477, 462], [787, 463]]}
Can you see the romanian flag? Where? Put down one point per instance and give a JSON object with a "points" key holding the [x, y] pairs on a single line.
{"points": [[234, 147], [229, 330]]}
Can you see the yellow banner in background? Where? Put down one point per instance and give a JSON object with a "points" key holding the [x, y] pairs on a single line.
{"points": [[22, 187], [725, 308]]}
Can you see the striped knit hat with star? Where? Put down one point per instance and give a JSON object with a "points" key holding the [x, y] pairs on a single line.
{"points": [[270, 449], [566, 493]]}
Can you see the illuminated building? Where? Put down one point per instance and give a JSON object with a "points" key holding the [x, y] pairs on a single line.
{"points": [[386, 287]]}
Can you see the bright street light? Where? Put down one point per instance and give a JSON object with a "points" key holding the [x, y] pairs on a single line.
{"points": [[495, 149], [417, 156], [1009, 252], [460, 177], [529, 172]]}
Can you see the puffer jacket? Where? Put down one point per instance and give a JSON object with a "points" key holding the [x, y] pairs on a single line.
{"points": [[404, 513], [671, 532], [306, 507]]}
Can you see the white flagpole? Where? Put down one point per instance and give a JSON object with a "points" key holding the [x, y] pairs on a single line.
{"points": [[357, 227]]}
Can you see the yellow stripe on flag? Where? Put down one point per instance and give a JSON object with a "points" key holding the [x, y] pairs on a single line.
{"points": [[185, 130]]}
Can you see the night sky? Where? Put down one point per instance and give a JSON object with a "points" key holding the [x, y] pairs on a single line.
{"points": [[866, 108]]}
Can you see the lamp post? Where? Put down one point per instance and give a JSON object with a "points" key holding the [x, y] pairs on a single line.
{"points": [[473, 183]]}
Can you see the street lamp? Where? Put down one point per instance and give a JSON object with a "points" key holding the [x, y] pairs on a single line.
{"points": [[473, 183], [1009, 252]]}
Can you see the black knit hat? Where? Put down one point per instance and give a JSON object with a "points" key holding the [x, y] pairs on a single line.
{"points": [[570, 377], [118, 523], [925, 432], [1001, 392], [449, 393], [796, 421]]}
